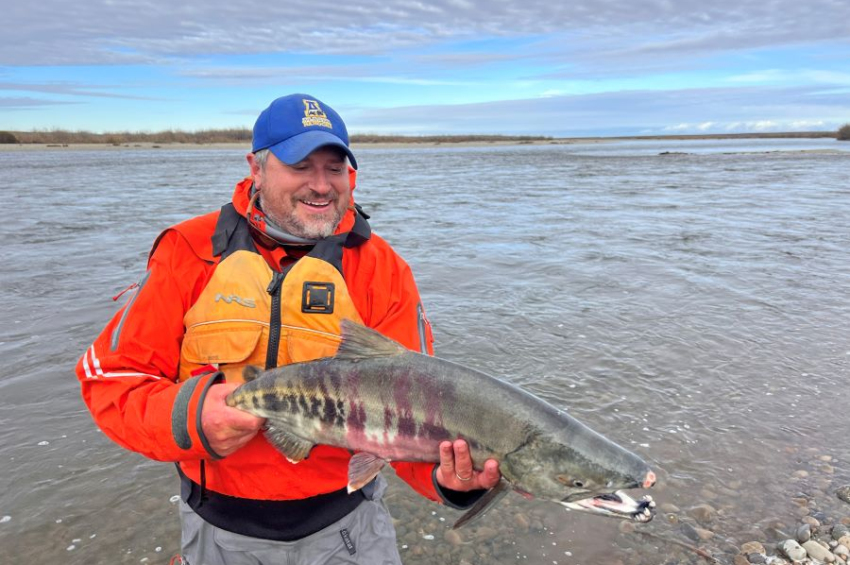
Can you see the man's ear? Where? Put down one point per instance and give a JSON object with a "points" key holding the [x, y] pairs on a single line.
{"points": [[255, 166]]}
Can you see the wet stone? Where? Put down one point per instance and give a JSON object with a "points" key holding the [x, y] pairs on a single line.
{"points": [[844, 540], [819, 552], [754, 534], [841, 551], [820, 516], [690, 532], [812, 521], [708, 494], [756, 558], [753, 547], [702, 513], [825, 485], [793, 550], [537, 525], [775, 533], [485, 533], [522, 522], [804, 533], [453, 538], [839, 531]]}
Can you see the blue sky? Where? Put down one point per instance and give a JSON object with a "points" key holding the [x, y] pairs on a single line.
{"points": [[587, 67]]}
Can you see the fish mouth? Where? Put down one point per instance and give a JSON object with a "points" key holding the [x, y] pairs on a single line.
{"points": [[616, 504]]}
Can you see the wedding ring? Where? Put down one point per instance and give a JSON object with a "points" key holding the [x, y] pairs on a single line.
{"points": [[469, 478]]}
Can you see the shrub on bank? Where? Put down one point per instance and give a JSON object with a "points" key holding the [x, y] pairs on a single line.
{"points": [[8, 137], [844, 133]]}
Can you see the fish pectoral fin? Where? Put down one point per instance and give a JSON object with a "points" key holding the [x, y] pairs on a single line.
{"points": [[362, 468], [294, 448], [360, 342], [490, 498], [250, 372]]}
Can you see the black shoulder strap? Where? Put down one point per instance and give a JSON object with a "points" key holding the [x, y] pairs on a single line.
{"points": [[231, 233], [362, 231]]}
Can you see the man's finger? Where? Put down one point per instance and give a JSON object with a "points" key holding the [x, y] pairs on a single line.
{"points": [[462, 460], [447, 458], [489, 477]]}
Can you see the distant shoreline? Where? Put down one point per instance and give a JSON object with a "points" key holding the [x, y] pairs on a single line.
{"points": [[390, 142]]}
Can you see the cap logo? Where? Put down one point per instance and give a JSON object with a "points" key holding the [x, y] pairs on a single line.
{"points": [[314, 115]]}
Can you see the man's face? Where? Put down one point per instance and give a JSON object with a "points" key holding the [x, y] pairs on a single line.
{"points": [[307, 199]]}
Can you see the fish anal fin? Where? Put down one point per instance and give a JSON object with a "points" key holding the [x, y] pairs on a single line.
{"points": [[490, 498], [362, 468], [294, 448], [360, 342]]}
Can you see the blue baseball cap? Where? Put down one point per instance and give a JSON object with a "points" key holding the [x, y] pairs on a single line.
{"points": [[294, 126]]}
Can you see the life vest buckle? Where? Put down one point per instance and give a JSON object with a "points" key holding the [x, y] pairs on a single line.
{"points": [[317, 297]]}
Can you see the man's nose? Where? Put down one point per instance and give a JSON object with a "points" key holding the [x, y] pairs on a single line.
{"points": [[320, 182]]}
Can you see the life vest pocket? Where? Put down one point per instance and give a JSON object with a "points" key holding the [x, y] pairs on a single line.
{"points": [[307, 345], [228, 345]]}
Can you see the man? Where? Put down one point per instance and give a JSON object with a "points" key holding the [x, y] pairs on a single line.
{"points": [[265, 281]]}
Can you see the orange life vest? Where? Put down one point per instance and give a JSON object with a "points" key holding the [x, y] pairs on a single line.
{"points": [[248, 314]]}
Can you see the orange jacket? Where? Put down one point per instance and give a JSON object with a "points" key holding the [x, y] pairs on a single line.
{"points": [[129, 375]]}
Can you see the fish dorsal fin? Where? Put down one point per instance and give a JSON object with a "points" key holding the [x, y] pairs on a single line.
{"points": [[490, 498], [294, 448], [360, 342], [250, 372]]}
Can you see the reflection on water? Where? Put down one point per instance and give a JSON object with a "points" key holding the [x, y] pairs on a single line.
{"points": [[692, 307]]}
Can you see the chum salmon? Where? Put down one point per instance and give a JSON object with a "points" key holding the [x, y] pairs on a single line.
{"points": [[388, 403]]}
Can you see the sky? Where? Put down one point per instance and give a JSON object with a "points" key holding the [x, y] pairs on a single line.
{"points": [[519, 67]]}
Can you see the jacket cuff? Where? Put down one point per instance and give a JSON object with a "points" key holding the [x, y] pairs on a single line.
{"points": [[459, 500], [186, 425]]}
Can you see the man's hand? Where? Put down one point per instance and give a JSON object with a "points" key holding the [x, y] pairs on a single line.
{"points": [[227, 429], [456, 472]]}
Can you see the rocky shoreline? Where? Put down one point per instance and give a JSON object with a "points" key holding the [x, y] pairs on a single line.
{"points": [[810, 526]]}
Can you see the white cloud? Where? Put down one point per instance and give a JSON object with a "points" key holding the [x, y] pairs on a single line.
{"points": [[105, 32], [621, 113], [761, 126], [790, 76]]}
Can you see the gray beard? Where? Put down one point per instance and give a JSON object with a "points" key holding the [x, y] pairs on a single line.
{"points": [[294, 227]]}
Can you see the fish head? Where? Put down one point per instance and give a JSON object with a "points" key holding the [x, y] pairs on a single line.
{"points": [[255, 398], [587, 472]]}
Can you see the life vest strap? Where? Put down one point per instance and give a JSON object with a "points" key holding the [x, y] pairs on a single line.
{"points": [[231, 233], [280, 520]]}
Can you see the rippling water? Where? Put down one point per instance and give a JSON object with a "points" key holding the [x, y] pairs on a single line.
{"points": [[693, 307]]}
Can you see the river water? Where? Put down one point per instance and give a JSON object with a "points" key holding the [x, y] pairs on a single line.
{"points": [[687, 299]]}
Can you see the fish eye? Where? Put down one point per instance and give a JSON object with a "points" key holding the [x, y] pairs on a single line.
{"points": [[570, 482]]}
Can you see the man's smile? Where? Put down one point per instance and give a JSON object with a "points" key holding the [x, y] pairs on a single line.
{"points": [[317, 203]]}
